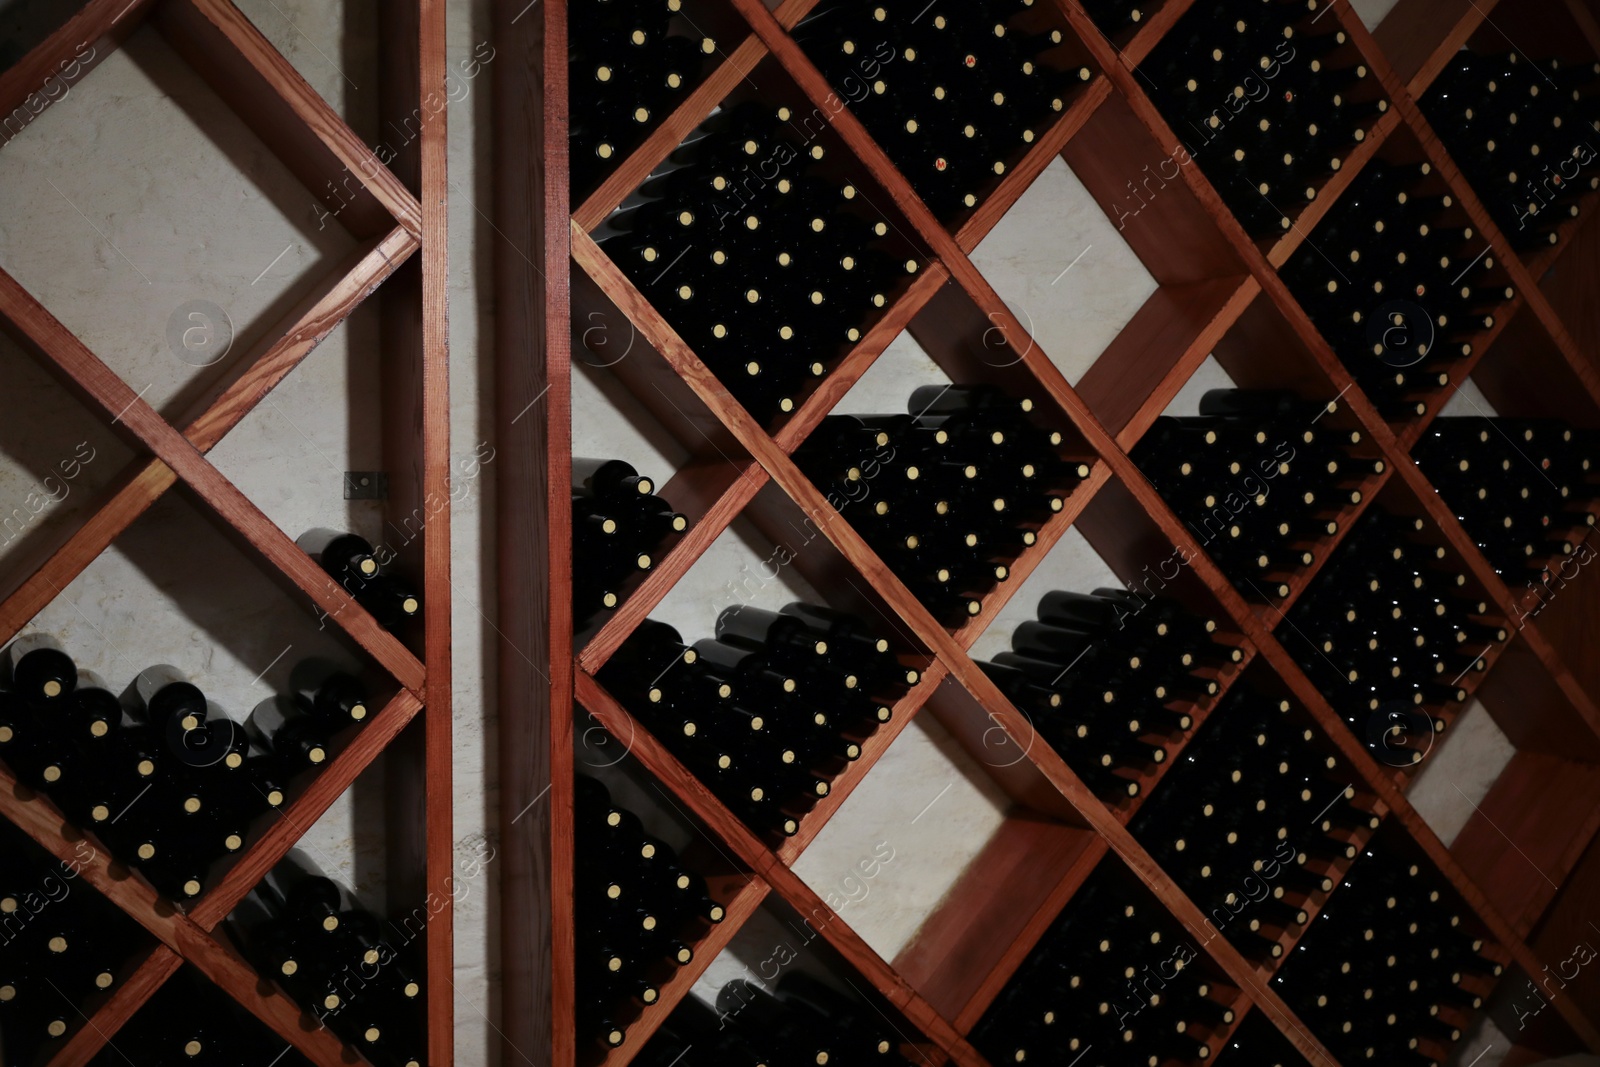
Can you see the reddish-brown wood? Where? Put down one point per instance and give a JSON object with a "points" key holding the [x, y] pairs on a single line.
{"points": [[1529, 832], [1050, 144], [370, 200], [1158, 350], [40, 820], [83, 372], [289, 825], [1211, 274], [647, 157], [741, 902], [814, 913], [48, 72], [872, 749], [102, 1025], [985, 926], [1420, 36], [335, 165], [533, 419]]}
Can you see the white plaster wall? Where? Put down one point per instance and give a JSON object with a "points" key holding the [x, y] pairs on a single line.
{"points": [[118, 206]]}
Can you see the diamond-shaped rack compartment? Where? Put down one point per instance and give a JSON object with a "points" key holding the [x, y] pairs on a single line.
{"points": [[303, 145], [782, 981], [1120, 715], [729, 705], [69, 952], [1260, 885], [632, 838], [171, 303], [753, 322], [1214, 482], [1209, 291], [106, 622]]}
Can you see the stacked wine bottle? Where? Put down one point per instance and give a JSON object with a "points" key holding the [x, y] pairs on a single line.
{"points": [[1399, 284], [1522, 488], [1110, 679], [808, 1022], [1390, 971], [1253, 823], [1521, 132], [1258, 1043], [619, 529], [1389, 632], [948, 496], [1261, 478], [1120, 19], [190, 1021], [162, 776], [955, 93], [62, 945], [1115, 980], [359, 568], [629, 63], [1270, 98], [767, 262], [639, 913], [354, 972], [769, 711]]}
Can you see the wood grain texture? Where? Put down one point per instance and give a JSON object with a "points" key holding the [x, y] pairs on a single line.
{"points": [[1234, 247], [1016, 182], [39, 332], [103, 1023], [872, 750], [738, 908], [1526, 836], [33, 584], [1420, 36], [307, 135], [295, 336], [37, 817], [29, 86], [1170, 335], [694, 110], [982, 929], [533, 424], [289, 825], [751, 851]]}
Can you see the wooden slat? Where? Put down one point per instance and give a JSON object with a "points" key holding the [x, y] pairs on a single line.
{"points": [[925, 626], [63, 59], [694, 110], [533, 531], [37, 817], [1156, 352], [101, 1027], [81, 371], [968, 947], [122, 501], [738, 908], [291, 824], [307, 135], [132, 492], [872, 750], [1026, 172], [1420, 36], [1526, 836], [727, 827], [295, 336]]}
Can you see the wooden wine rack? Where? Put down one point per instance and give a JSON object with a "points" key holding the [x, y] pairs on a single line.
{"points": [[397, 214], [1526, 864]]}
